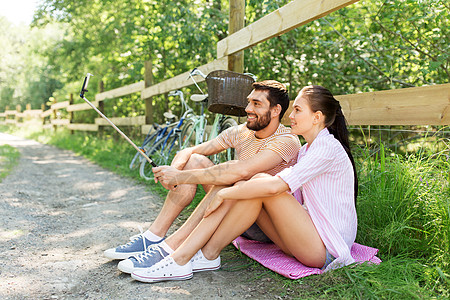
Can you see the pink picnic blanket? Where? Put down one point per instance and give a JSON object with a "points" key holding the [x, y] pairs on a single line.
{"points": [[270, 256]]}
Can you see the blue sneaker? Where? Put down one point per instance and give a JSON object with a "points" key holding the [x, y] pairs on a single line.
{"points": [[135, 247], [154, 254]]}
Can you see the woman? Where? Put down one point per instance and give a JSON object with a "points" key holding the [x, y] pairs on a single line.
{"points": [[307, 210]]}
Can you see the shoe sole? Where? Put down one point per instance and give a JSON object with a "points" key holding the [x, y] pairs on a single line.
{"points": [[205, 269], [158, 279]]}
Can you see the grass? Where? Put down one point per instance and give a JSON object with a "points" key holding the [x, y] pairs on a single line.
{"points": [[403, 210], [9, 157]]}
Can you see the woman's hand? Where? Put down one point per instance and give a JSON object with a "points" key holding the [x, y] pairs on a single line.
{"points": [[167, 176], [215, 204]]}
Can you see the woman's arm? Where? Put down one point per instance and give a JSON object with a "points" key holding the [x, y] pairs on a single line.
{"points": [[262, 185]]}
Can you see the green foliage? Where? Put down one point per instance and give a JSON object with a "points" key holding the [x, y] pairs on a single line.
{"points": [[396, 278], [367, 46], [27, 74], [9, 157]]}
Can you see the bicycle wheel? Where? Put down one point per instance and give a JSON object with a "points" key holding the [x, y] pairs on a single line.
{"points": [[188, 134], [149, 140], [136, 156], [171, 147], [230, 152]]}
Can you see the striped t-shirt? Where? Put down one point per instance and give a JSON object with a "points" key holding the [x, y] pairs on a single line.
{"points": [[325, 174], [246, 144]]}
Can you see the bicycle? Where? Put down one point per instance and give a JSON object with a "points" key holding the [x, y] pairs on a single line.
{"points": [[163, 149], [156, 133], [151, 135], [194, 131]]}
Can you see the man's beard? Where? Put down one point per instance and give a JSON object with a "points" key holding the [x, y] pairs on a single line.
{"points": [[260, 123]]}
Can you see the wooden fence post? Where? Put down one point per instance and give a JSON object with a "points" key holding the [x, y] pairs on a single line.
{"points": [[18, 111], [55, 116], [27, 116], [101, 105], [71, 112], [43, 109], [148, 80], [236, 23]]}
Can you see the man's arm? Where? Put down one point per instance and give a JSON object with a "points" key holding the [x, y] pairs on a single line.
{"points": [[223, 174], [206, 149]]}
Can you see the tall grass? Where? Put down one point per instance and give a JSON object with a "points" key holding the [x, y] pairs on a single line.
{"points": [[9, 157], [403, 210]]}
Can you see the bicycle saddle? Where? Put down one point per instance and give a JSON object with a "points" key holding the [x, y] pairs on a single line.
{"points": [[198, 97], [169, 115]]}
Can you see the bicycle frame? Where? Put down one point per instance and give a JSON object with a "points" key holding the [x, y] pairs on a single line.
{"points": [[199, 125], [187, 111]]}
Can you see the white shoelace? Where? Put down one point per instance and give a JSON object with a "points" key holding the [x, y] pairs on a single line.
{"points": [[136, 237], [152, 249]]}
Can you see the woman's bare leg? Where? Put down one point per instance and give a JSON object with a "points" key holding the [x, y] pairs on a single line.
{"points": [[296, 230], [181, 234], [238, 219], [286, 222], [201, 234]]}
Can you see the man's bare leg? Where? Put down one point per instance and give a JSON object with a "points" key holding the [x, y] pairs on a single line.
{"points": [[175, 202], [178, 199]]}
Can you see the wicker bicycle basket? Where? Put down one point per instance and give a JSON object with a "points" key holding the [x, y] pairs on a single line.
{"points": [[228, 91]]}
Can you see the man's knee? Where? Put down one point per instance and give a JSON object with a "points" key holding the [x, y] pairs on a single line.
{"points": [[198, 161]]}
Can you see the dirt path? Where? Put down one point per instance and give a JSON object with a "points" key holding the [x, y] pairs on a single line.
{"points": [[58, 212]]}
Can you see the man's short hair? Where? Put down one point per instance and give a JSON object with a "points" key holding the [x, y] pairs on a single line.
{"points": [[277, 94]]}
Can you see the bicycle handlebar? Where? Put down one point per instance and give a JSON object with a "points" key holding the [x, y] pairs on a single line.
{"points": [[195, 72], [186, 107]]}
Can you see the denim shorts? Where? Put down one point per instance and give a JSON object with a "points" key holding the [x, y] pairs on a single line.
{"points": [[329, 259], [255, 233]]}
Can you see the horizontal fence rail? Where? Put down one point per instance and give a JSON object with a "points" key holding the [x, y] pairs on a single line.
{"points": [[426, 105]]}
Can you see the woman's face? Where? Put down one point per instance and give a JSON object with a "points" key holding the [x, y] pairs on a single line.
{"points": [[302, 117]]}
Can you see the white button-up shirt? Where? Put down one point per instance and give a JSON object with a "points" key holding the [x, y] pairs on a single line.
{"points": [[323, 181]]}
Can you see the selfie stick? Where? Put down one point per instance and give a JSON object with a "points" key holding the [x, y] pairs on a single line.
{"points": [[83, 90]]}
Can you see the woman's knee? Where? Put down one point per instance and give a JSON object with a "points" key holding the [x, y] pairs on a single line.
{"points": [[261, 175]]}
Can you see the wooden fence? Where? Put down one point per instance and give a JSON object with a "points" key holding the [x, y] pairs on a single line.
{"points": [[427, 105]]}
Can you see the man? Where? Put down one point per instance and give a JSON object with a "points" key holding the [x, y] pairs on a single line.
{"points": [[262, 145]]}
